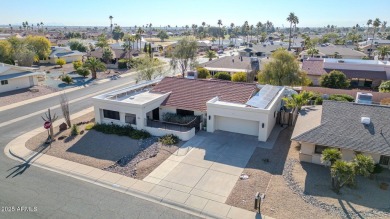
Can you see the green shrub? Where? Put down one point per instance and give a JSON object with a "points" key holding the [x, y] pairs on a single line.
{"points": [[169, 139], [239, 77], [75, 130], [341, 97], [83, 72], [60, 62], [67, 79], [203, 73], [174, 118], [223, 76], [77, 64], [385, 87], [335, 79], [134, 63], [89, 126], [122, 63], [121, 131]]}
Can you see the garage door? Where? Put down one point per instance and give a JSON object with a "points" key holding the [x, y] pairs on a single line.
{"points": [[241, 126]]}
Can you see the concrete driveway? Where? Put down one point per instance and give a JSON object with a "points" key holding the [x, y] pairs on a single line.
{"points": [[207, 166]]}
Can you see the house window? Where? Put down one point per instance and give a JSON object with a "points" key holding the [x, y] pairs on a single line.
{"points": [[361, 82], [4, 82], [184, 112], [384, 160], [130, 118], [319, 149], [108, 114]]}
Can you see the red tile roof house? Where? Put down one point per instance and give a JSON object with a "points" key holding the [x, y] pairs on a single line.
{"points": [[362, 73], [215, 105]]}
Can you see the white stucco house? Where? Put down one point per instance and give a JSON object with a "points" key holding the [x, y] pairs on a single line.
{"points": [[350, 127], [16, 77], [64, 53], [214, 105]]}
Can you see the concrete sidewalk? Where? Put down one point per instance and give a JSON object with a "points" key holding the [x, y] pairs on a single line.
{"points": [[165, 195]]}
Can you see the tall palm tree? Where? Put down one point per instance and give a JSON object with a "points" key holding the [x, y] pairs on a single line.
{"points": [[94, 65], [219, 37], [210, 54], [140, 31], [375, 25], [369, 22], [42, 27], [246, 30], [258, 26], [312, 51], [383, 51], [194, 27], [127, 46], [110, 17], [383, 28], [10, 27], [292, 18]]}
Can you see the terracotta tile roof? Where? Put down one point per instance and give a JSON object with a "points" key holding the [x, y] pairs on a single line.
{"points": [[190, 94]]}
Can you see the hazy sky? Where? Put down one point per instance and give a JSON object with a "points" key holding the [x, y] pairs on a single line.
{"points": [[181, 12]]}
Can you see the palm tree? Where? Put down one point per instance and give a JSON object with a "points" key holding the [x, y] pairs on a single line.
{"points": [[246, 29], [94, 65], [111, 17], [258, 26], [231, 28], [375, 25], [383, 51], [140, 32], [293, 19], [251, 31], [42, 27], [369, 22], [128, 39], [383, 28], [312, 51], [10, 27], [297, 100], [219, 37], [210, 54], [194, 27], [330, 155]]}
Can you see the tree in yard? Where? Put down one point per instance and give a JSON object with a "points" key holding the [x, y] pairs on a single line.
{"points": [[223, 76], [24, 56], [184, 54], [162, 35], [149, 68], [150, 51], [77, 64], [293, 19], [60, 62], [102, 41], [5, 51], [77, 45], [107, 55], [128, 44], [145, 48], [40, 45], [219, 35], [203, 73], [283, 69], [83, 72], [312, 51], [210, 54], [94, 65], [334, 79], [239, 77], [67, 79], [117, 33], [384, 87], [65, 109], [296, 101], [375, 25], [330, 155], [383, 51]]}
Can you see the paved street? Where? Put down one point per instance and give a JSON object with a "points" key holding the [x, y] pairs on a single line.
{"points": [[55, 195]]}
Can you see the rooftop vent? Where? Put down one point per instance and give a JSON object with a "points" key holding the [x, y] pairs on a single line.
{"points": [[131, 98], [365, 120], [340, 61]]}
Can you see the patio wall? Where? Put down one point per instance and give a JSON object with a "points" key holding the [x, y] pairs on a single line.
{"points": [[185, 136]]}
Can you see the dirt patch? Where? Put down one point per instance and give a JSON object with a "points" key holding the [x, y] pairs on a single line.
{"points": [[91, 148], [19, 95]]}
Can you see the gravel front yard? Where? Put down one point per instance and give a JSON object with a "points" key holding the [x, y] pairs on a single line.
{"points": [[119, 154], [15, 96], [302, 190]]}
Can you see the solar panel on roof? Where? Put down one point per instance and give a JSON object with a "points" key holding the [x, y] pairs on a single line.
{"points": [[264, 97]]}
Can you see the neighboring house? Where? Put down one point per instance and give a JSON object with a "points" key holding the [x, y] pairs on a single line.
{"points": [[117, 54], [63, 53], [233, 64], [16, 77], [266, 49], [362, 73], [331, 51], [350, 127], [216, 105]]}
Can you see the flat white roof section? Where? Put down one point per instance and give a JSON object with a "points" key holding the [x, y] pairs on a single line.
{"points": [[264, 97]]}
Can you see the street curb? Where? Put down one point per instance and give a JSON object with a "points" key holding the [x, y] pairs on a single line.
{"points": [[32, 156]]}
